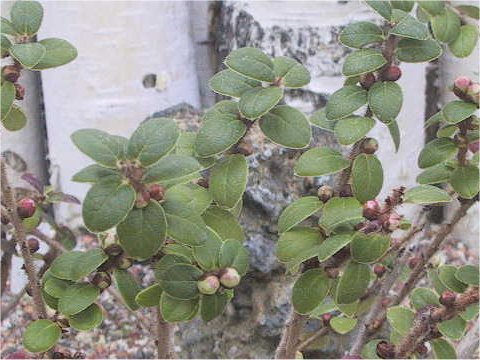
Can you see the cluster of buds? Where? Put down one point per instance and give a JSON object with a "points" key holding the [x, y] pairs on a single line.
{"points": [[390, 73], [152, 192], [466, 89], [448, 298], [12, 73], [210, 283], [379, 219], [26, 207], [117, 259]]}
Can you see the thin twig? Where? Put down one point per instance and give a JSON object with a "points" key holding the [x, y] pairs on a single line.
{"points": [[164, 338], [50, 242], [314, 337]]}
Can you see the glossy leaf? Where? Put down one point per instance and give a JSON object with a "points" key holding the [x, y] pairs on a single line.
{"points": [[363, 61], [436, 151], [426, 195], [171, 167], [6, 27], [353, 283], [368, 248], [58, 52], [319, 119], [100, 146], [41, 335], [293, 74], [456, 111], [367, 177], [340, 212], [87, 319], [28, 54], [298, 211], [345, 101], [446, 274], [446, 26], [212, 306], [207, 255], [342, 325], [190, 196], [166, 261], [223, 223], [175, 310], [252, 63], [432, 7], [468, 274], [56, 287], [320, 161], [361, 33], [381, 7], [416, 51], [443, 349], [228, 180], [128, 288], [94, 173], [351, 129], [332, 245], [75, 265], [77, 298], [180, 281], [385, 100], [230, 83], [409, 27], [233, 254], [466, 41], [465, 181], [258, 101], [286, 126], [26, 17], [186, 227], [435, 174], [309, 290], [298, 244], [149, 296], [421, 297], [453, 328]]}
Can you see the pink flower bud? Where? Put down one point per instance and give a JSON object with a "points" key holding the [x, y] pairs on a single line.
{"points": [[462, 83], [230, 278], [392, 73], [393, 222], [26, 208], [209, 285], [474, 146], [473, 92], [371, 209]]}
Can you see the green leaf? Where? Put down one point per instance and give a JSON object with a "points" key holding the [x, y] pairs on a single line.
{"points": [[416, 51], [180, 281], [319, 119], [41, 335], [26, 17], [320, 161], [447, 131], [175, 310], [332, 245], [75, 265], [293, 74], [28, 54], [409, 27], [100, 146], [381, 7], [368, 248], [468, 274], [186, 227], [95, 173], [361, 33], [228, 180], [298, 211], [33, 221], [443, 349], [446, 274], [369, 351], [310, 290], [7, 28], [363, 61], [221, 129], [56, 287], [434, 279], [394, 133], [166, 261], [434, 119], [150, 296], [405, 5], [340, 212], [400, 319], [128, 288], [349, 310], [252, 63], [171, 167], [298, 244], [466, 41], [342, 325], [107, 204], [76, 298], [345, 101], [421, 297], [223, 223], [143, 231], [51, 302], [87, 319], [230, 83], [5, 46], [179, 250], [353, 283], [233, 254], [385, 100], [465, 181], [15, 119], [152, 140], [446, 26], [436, 152], [453, 328], [58, 52], [432, 7], [207, 255], [258, 101], [8, 96], [286, 126], [351, 129], [426, 195], [469, 10], [435, 175], [192, 196], [457, 111], [367, 177], [212, 306]]}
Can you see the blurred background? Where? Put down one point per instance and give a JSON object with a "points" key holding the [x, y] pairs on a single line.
{"points": [[139, 58]]}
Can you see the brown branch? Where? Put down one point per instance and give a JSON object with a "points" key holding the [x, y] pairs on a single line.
{"points": [[50, 242], [290, 337], [314, 337], [20, 238], [427, 318], [8, 249], [164, 340]]}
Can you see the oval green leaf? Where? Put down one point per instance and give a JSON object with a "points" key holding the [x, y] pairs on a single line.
{"points": [[298, 211], [76, 298], [26, 17], [443, 349], [351, 129], [446, 26], [176, 310], [298, 244], [468, 274], [150, 296], [15, 119], [8, 96], [385, 100], [212, 306], [293, 74], [416, 51], [41, 335], [228, 180], [332, 245], [368, 248], [319, 119], [367, 177], [361, 33], [224, 223], [466, 41], [345, 101], [58, 52], [233, 254], [426, 195], [171, 167], [363, 61], [309, 290], [180, 281], [342, 325], [87, 319], [28, 54], [409, 27], [353, 283], [252, 63], [437, 151], [128, 288], [230, 83], [465, 181], [75, 265], [320, 161], [435, 175], [341, 212], [258, 101], [446, 274]]}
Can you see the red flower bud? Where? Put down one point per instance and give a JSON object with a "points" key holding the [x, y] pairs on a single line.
{"points": [[244, 148], [19, 91], [474, 146], [33, 245], [473, 92], [367, 80], [143, 197], [386, 350], [392, 73], [325, 193], [26, 208], [326, 318], [11, 73], [371, 209], [209, 285], [462, 83], [203, 183], [157, 192], [379, 270], [447, 298], [229, 278]]}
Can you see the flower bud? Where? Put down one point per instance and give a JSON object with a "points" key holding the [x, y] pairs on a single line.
{"points": [[326, 318], [421, 349], [448, 298], [143, 197], [19, 91], [102, 280], [229, 278], [369, 146], [33, 245], [203, 183], [325, 193], [386, 350], [379, 270], [371, 209], [124, 262], [209, 285], [393, 222], [367, 80], [157, 192], [113, 250], [392, 73], [462, 83], [473, 92], [11, 73], [244, 148], [474, 146], [26, 208], [413, 262]]}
